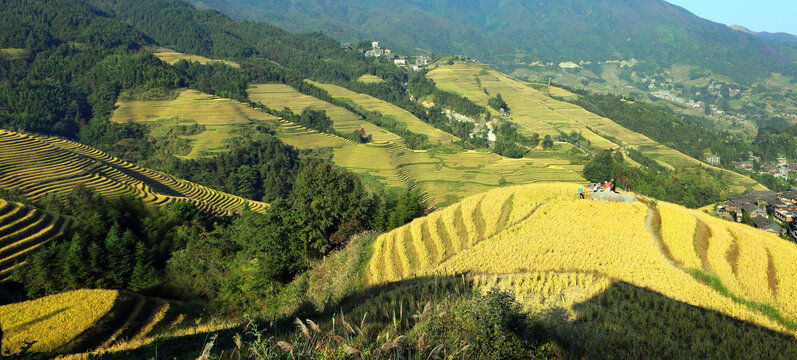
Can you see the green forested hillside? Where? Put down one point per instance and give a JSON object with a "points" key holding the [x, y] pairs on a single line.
{"points": [[506, 32]]}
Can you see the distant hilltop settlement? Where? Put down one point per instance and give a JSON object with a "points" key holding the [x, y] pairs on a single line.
{"points": [[421, 61], [769, 211]]}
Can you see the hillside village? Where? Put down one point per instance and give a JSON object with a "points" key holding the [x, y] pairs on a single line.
{"points": [[772, 212], [782, 168]]}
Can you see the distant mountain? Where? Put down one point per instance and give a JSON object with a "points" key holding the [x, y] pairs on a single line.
{"points": [[778, 36], [508, 33]]}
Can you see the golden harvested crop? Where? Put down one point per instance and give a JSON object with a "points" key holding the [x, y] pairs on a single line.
{"points": [[55, 320], [509, 233], [40, 166], [678, 232]]}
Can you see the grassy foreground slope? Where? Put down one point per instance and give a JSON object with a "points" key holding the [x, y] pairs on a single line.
{"points": [[39, 166], [538, 112], [23, 229], [516, 235], [218, 116]]}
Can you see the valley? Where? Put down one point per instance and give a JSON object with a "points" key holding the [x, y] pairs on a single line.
{"points": [[176, 183]]}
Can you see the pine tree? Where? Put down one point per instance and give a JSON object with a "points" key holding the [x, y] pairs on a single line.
{"points": [[74, 266], [97, 266], [144, 275]]}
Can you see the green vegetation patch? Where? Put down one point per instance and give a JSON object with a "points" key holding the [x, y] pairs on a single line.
{"points": [[13, 53]]}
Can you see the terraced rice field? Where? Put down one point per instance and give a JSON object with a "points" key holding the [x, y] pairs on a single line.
{"points": [[40, 166], [538, 239], [443, 177], [370, 79], [172, 57], [280, 96], [537, 112], [24, 229], [219, 116], [84, 320], [387, 109]]}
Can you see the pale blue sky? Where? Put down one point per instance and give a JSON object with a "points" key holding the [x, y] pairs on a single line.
{"points": [[756, 15]]}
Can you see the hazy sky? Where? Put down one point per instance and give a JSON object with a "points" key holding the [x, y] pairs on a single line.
{"points": [[756, 15]]}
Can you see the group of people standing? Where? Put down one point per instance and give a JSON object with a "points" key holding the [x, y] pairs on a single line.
{"points": [[608, 186]]}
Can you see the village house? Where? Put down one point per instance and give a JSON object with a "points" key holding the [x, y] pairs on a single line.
{"points": [[752, 210], [400, 62], [423, 60], [713, 160], [793, 230], [784, 216], [789, 197], [374, 53], [735, 204], [746, 165], [766, 225]]}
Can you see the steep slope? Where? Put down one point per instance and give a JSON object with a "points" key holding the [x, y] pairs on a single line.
{"points": [[508, 31], [530, 230], [39, 166], [537, 111], [444, 176]]}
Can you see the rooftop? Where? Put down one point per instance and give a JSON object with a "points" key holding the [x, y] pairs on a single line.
{"points": [[761, 222]]}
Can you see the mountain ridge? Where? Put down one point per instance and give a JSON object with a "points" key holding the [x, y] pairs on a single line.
{"points": [[512, 33], [779, 36]]}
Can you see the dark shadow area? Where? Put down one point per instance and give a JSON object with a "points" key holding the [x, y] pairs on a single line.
{"points": [[154, 185], [38, 320], [104, 328], [11, 292], [629, 322], [401, 299], [623, 322]]}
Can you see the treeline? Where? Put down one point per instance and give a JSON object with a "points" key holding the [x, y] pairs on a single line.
{"points": [[692, 188], [684, 133]]}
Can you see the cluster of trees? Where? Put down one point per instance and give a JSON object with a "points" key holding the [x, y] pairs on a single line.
{"points": [[686, 135], [497, 102], [119, 244], [234, 263], [241, 265], [507, 140], [692, 188], [255, 166]]}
